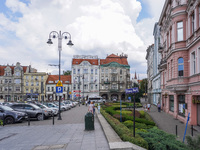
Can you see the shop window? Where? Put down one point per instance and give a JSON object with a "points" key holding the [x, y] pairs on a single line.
{"points": [[171, 103], [180, 66], [181, 105]]}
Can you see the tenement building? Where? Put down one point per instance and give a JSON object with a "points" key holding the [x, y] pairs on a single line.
{"points": [[114, 77], [51, 83], [180, 64], [85, 76], [11, 82]]}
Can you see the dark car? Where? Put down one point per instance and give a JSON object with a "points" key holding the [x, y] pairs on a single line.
{"points": [[10, 116], [32, 110]]}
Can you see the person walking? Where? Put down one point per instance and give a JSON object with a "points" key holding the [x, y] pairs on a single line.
{"points": [[93, 108], [90, 107], [148, 106], [159, 106], [99, 108]]}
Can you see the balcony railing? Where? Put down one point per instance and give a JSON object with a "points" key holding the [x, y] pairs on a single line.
{"points": [[160, 48], [114, 90], [162, 65]]}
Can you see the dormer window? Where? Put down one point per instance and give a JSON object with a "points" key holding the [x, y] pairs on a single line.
{"points": [[50, 81]]}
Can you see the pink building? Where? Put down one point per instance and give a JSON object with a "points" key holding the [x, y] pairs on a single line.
{"points": [[180, 63]]}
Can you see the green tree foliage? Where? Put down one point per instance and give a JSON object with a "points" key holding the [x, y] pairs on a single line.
{"points": [[68, 72]]}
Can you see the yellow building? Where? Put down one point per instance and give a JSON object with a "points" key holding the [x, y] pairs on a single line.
{"points": [[34, 86]]}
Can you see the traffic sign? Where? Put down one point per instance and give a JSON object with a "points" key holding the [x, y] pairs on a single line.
{"points": [[59, 89], [59, 83]]}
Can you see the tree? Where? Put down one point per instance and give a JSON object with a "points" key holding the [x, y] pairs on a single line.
{"points": [[68, 72]]}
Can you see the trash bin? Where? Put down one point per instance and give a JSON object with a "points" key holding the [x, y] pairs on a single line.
{"points": [[89, 121]]}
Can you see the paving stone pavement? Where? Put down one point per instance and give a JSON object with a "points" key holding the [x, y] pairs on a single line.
{"points": [[66, 134]]}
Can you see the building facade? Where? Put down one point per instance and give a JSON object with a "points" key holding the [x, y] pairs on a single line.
{"points": [[85, 76], [51, 83], [114, 77], [11, 82], [34, 85], [149, 58], [156, 89], [180, 63]]}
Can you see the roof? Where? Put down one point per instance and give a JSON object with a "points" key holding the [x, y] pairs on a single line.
{"points": [[122, 59], [12, 68], [63, 78], [79, 61]]}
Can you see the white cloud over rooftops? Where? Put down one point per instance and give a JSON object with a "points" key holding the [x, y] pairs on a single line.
{"points": [[97, 27]]}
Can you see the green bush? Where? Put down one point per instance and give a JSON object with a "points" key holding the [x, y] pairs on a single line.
{"points": [[123, 132], [160, 140], [1, 122], [142, 114], [129, 124], [193, 144]]}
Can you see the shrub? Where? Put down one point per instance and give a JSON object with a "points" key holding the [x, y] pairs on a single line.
{"points": [[193, 144], [160, 140], [1, 122], [123, 132], [142, 114]]}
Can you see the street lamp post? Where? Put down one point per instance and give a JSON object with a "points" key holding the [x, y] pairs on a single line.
{"points": [[60, 36]]}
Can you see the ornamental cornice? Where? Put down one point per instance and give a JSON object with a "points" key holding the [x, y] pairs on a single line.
{"points": [[115, 64]]}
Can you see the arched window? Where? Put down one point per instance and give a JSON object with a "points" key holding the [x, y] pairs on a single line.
{"points": [[180, 66]]}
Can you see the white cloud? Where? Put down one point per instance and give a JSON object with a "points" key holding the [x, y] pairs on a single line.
{"points": [[97, 27]]}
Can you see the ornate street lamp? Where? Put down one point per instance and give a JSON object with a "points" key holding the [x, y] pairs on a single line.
{"points": [[60, 36]]}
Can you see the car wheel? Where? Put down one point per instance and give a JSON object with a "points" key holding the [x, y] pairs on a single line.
{"points": [[40, 117], [9, 120]]}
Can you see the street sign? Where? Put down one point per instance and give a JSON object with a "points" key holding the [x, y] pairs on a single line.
{"points": [[132, 90], [59, 83], [59, 89]]}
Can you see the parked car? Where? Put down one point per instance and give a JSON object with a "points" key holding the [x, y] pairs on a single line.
{"points": [[10, 116], [44, 107], [63, 107], [32, 110]]}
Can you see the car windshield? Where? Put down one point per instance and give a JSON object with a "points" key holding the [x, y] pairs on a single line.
{"points": [[6, 108], [36, 107]]}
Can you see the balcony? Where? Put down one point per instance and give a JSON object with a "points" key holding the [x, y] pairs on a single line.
{"points": [[160, 48], [163, 65], [106, 82]]}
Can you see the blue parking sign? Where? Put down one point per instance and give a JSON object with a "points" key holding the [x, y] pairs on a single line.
{"points": [[59, 89]]}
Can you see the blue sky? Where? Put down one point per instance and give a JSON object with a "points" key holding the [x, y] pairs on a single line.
{"points": [[99, 27]]}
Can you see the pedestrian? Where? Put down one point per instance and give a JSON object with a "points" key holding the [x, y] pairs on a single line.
{"points": [[93, 108], [158, 105], [145, 107], [86, 103], [99, 108], [90, 107], [148, 106]]}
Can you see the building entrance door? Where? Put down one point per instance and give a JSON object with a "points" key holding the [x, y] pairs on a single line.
{"points": [[198, 114]]}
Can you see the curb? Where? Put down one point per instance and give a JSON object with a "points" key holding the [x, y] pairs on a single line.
{"points": [[114, 141]]}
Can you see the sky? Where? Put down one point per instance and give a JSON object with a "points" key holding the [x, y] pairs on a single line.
{"points": [[97, 27]]}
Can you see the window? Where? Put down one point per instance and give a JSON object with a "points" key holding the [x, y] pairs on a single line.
{"points": [[26, 90], [64, 88], [181, 105], [91, 87], [180, 31], [78, 71], [52, 88], [17, 74], [171, 68], [92, 79], [102, 70], [74, 87], [85, 71], [74, 71], [37, 83], [114, 86], [120, 71], [199, 14], [17, 81], [17, 88], [26, 77], [169, 71], [180, 66], [31, 83], [193, 63], [91, 71], [26, 83], [6, 81], [192, 23], [48, 89], [96, 86], [95, 71], [42, 77], [31, 77], [106, 71], [171, 103], [50, 81]]}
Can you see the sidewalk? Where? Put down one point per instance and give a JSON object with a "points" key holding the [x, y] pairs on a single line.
{"points": [[67, 136], [167, 123]]}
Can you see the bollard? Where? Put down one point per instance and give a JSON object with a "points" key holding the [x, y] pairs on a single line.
{"points": [[28, 120], [176, 130], [53, 118], [3, 119], [192, 130]]}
